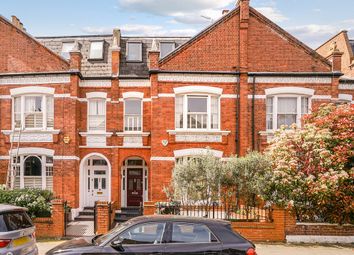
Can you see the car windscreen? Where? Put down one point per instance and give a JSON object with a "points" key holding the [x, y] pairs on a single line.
{"points": [[111, 234], [11, 221]]}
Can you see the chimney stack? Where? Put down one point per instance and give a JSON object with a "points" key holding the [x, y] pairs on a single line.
{"points": [[225, 12], [244, 9], [336, 58], [17, 23], [116, 51]]}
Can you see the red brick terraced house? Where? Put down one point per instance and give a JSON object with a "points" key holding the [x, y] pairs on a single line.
{"points": [[106, 117], [344, 46]]}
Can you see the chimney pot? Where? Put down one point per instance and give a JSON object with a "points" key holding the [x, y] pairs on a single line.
{"points": [[225, 12]]}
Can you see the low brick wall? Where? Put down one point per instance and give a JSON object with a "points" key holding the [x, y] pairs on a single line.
{"points": [[322, 229], [51, 227]]}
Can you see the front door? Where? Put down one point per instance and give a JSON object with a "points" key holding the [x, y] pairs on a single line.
{"points": [[135, 186], [97, 189]]}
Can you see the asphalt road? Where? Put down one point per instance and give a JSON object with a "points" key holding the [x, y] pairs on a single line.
{"points": [[262, 249]]}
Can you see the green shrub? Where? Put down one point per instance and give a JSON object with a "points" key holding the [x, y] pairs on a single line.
{"points": [[37, 201]]}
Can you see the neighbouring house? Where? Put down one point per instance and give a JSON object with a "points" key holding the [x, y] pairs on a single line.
{"points": [[105, 117], [345, 46]]}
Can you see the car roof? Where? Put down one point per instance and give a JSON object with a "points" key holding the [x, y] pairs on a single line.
{"points": [[176, 218], [9, 208]]}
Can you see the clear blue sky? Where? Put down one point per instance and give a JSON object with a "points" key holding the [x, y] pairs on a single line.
{"points": [[312, 21]]}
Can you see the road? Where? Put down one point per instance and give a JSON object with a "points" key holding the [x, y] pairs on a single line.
{"points": [[262, 249]]}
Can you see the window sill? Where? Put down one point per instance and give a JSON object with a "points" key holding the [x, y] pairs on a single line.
{"points": [[138, 133], [32, 131], [100, 133], [198, 132]]}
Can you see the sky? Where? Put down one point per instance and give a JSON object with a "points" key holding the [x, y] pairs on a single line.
{"points": [[311, 21]]}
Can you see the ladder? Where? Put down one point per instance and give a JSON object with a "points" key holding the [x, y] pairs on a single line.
{"points": [[11, 173]]}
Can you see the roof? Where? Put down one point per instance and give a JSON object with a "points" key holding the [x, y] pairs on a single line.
{"points": [[7, 208], [103, 68], [179, 218], [351, 42]]}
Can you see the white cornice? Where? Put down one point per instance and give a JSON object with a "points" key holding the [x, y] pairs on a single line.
{"points": [[198, 89], [32, 151], [290, 90], [197, 151], [35, 79], [95, 83], [133, 94], [134, 83], [32, 90], [201, 78], [290, 79], [96, 95]]}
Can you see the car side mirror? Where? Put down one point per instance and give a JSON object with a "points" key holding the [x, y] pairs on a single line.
{"points": [[117, 245]]}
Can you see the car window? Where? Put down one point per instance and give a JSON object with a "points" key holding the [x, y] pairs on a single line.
{"points": [[11, 221], [111, 234], [191, 233], [147, 233]]}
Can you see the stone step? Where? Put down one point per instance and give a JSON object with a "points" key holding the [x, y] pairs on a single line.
{"points": [[86, 212], [84, 218]]}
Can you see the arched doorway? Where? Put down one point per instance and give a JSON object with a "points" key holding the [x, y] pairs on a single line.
{"points": [[134, 186], [95, 171]]}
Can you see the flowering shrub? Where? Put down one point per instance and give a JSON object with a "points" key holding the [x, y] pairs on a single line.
{"points": [[312, 167], [37, 201]]}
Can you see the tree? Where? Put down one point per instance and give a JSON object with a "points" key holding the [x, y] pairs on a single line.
{"points": [[312, 167]]}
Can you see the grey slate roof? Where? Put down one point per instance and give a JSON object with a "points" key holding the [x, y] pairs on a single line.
{"points": [[102, 68]]}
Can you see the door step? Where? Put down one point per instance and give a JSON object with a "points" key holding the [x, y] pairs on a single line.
{"points": [[86, 215], [127, 213]]}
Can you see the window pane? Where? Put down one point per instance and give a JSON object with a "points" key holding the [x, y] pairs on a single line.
{"points": [[99, 162], [33, 112], [166, 48], [191, 233], [286, 119], [269, 109], [17, 112], [304, 105], [287, 105], [150, 233], [50, 111], [33, 166], [179, 111], [96, 50], [214, 112], [197, 104], [97, 114], [66, 48], [134, 51], [132, 115], [12, 221]]}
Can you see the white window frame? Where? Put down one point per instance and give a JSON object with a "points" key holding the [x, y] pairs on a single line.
{"points": [[166, 42], [101, 56], [185, 112], [89, 100], [141, 115], [21, 165], [298, 108], [22, 112], [141, 52]]}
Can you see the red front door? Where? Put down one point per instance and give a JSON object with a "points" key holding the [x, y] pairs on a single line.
{"points": [[135, 187]]}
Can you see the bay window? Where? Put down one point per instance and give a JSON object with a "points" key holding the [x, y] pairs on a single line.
{"points": [[133, 114], [197, 112], [285, 110], [97, 114], [33, 111]]}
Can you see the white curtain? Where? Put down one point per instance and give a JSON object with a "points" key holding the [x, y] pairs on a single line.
{"points": [[179, 111], [287, 105], [214, 112]]}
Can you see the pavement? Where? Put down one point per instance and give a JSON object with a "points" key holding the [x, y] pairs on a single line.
{"points": [[262, 249]]}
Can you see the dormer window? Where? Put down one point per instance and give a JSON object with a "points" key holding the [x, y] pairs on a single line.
{"points": [[166, 48], [66, 48], [134, 51], [96, 50]]}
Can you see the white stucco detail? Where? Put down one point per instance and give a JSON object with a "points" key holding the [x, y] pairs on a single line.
{"points": [[162, 159], [214, 78], [133, 95], [32, 90], [32, 151], [95, 83], [290, 90], [197, 151], [35, 79], [198, 89], [290, 79], [347, 86], [345, 97], [96, 95], [134, 83]]}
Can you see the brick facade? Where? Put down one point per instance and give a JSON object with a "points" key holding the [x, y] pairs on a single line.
{"points": [[240, 56]]}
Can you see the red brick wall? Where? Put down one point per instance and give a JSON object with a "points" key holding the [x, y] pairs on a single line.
{"points": [[21, 53], [322, 229]]}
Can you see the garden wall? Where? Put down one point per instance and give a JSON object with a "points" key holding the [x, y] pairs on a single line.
{"points": [[54, 226]]}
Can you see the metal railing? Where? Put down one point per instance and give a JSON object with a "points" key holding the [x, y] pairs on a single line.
{"points": [[219, 211]]}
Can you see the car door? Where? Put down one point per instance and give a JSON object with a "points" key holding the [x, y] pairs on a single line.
{"points": [[143, 238], [191, 238]]}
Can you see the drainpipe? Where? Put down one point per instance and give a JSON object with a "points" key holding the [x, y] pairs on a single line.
{"points": [[237, 140], [253, 113]]}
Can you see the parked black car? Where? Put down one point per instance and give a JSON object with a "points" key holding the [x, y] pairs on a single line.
{"points": [[162, 235]]}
